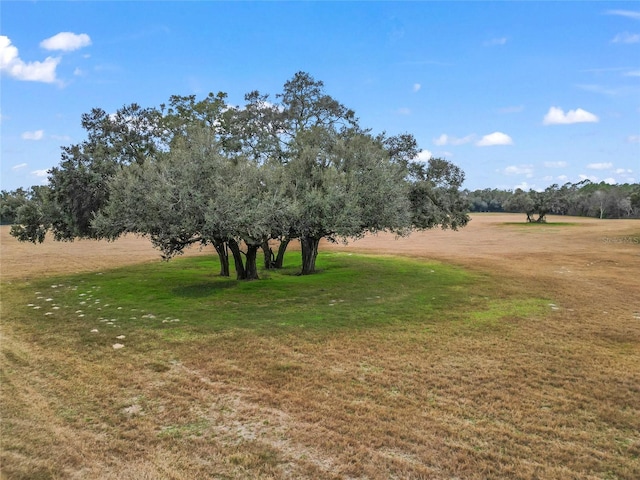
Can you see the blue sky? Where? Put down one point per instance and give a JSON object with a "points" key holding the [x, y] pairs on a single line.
{"points": [[518, 94]]}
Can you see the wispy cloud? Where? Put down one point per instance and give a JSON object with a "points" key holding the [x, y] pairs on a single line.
{"points": [[591, 178], [633, 139], [604, 70], [600, 166], [416, 87], [445, 139], [34, 135], [495, 138], [19, 166], [633, 73], [556, 116], [14, 66], [626, 37], [66, 41], [525, 186], [40, 173], [625, 13], [403, 111], [599, 89], [495, 42], [519, 170]]}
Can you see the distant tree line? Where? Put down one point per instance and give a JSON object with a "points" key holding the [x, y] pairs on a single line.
{"points": [[240, 178], [584, 199]]}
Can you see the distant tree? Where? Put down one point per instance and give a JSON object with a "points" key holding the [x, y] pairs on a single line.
{"points": [[435, 196], [10, 202], [78, 187], [487, 200], [634, 200], [36, 212], [524, 202]]}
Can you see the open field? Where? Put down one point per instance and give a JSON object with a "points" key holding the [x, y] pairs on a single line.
{"points": [[504, 350]]}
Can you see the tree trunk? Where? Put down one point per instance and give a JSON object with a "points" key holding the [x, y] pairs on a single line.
{"points": [[241, 274], [223, 255], [309, 246], [251, 263], [269, 262], [281, 251]]}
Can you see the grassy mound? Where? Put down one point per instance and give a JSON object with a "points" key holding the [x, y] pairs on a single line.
{"points": [[185, 297]]}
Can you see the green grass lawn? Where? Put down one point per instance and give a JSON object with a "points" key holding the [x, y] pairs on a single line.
{"points": [[185, 298]]}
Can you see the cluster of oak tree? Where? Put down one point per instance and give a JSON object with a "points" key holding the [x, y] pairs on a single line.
{"points": [[241, 178], [585, 199]]}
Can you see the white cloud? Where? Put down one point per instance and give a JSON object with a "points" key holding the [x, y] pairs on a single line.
{"points": [[633, 139], [495, 41], [591, 178], [556, 116], [562, 178], [441, 140], [600, 89], [66, 41], [633, 73], [14, 66], [625, 13], [40, 173], [600, 166], [610, 181], [403, 111], [626, 37], [19, 166], [621, 171], [424, 156], [416, 87], [35, 135], [495, 138], [445, 139], [519, 170], [525, 186], [560, 164]]}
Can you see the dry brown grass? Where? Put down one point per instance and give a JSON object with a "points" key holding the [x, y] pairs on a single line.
{"points": [[550, 396]]}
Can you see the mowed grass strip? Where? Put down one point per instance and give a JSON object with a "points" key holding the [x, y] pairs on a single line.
{"points": [[378, 367]]}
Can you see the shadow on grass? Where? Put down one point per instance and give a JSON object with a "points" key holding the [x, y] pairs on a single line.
{"points": [[204, 289]]}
